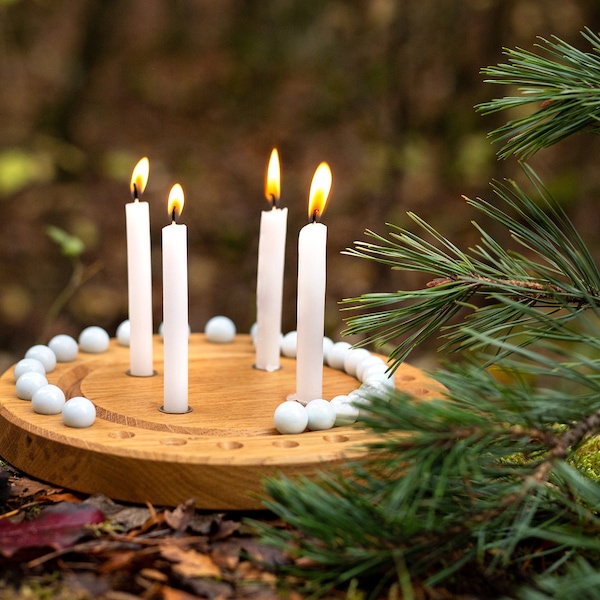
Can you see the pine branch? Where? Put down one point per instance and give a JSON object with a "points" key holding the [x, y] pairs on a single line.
{"points": [[445, 490], [474, 486], [563, 88], [555, 272], [477, 486]]}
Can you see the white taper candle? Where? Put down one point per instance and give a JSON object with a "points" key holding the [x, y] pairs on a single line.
{"points": [[175, 308], [312, 272], [139, 275], [269, 280]]}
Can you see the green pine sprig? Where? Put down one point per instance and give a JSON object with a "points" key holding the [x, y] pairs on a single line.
{"points": [[552, 268], [560, 90], [474, 486], [492, 489]]}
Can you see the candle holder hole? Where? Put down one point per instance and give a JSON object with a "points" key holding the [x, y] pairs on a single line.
{"points": [[230, 445], [121, 435], [285, 444], [337, 438], [406, 377], [130, 374], [173, 442], [162, 410], [267, 370]]}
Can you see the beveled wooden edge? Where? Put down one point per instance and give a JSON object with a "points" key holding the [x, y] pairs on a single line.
{"points": [[168, 467]]}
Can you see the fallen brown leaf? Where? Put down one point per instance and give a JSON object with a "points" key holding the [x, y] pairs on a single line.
{"points": [[24, 487], [154, 575], [226, 554], [225, 529], [211, 589], [169, 593], [190, 563], [262, 553], [179, 518], [251, 573], [206, 524], [58, 496], [118, 560]]}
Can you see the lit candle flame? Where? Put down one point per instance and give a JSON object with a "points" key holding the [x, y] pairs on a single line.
{"points": [[176, 201], [272, 185], [139, 178], [319, 191]]}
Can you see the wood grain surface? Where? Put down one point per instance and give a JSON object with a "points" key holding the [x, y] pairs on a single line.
{"points": [[217, 453]]}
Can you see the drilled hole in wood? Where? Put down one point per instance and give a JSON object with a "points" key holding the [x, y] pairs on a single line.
{"points": [[285, 443], [421, 392], [173, 442], [335, 439], [121, 435], [230, 445], [406, 377]]}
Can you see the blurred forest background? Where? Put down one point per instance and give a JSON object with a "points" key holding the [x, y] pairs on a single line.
{"points": [[383, 90]]}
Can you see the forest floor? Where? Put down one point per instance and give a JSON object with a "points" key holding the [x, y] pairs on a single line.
{"points": [[58, 544]]}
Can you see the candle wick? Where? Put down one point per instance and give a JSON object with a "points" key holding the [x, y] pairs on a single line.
{"points": [[134, 193], [315, 217], [173, 216], [274, 201]]}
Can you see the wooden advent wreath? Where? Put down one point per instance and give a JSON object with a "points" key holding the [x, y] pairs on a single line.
{"points": [[217, 454]]}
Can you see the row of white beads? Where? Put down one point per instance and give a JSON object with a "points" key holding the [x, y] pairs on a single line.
{"points": [[289, 417], [48, 399], [293, 417]]}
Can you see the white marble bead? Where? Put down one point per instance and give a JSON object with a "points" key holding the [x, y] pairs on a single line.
{"points": [[78, 412], [354, 356], [365, 363], [48, 400], [123, 333], [345, 413], [327, 345], [29, 383], [362, 397], [290, 417], [94, 340], [321, 415], [374, 369], [288, 344], [220, 330], [380, 387], [358, 398], [383, 377], [28, 364], [337, 355], [44, 354], [341, 399], [65, 347]]}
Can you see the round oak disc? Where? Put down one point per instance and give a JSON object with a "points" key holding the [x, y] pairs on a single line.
{"points": [[217, 454]]}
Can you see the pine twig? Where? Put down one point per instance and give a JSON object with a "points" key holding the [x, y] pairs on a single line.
{"points": [[564, 87], [554, 271], [542, 292], [478, 482]]}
